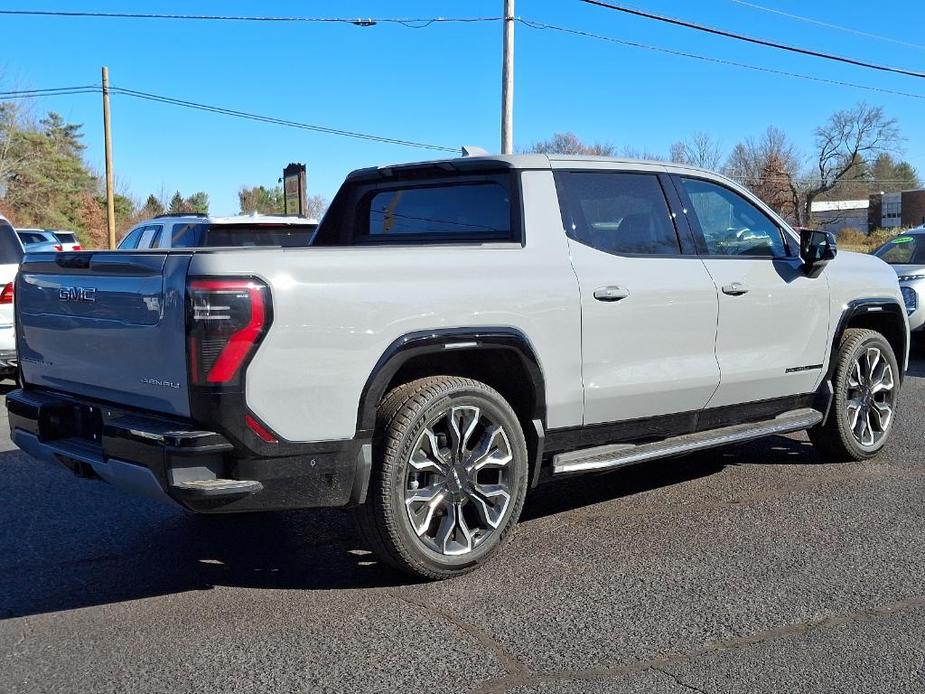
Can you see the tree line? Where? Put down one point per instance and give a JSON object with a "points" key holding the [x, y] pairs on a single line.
{"points": [[46, 182], [856, 152]]}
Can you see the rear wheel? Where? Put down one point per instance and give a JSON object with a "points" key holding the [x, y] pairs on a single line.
{"points": [[866, 385], [449, 480]]}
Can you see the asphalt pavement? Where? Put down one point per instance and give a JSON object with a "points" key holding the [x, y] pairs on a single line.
{"points": [[756, 568]]}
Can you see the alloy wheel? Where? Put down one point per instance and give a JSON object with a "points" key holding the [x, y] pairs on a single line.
{"points": [[871, 397], [458, 481]]}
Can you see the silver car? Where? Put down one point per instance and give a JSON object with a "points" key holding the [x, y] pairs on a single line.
{"points": [[906, 254]]}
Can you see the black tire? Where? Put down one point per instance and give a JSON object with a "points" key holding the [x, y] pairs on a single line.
{"points": [[835, 440], [404, 414]]}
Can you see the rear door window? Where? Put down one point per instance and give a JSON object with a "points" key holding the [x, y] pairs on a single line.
{"points": [[149, 236], [617, 212]]}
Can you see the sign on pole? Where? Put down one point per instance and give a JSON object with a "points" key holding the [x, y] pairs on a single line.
{"points": [[295, 185]]}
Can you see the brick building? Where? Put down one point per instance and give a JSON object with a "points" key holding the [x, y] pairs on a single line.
{"points": [[905, 209]]}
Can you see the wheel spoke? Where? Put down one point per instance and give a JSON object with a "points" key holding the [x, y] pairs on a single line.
{"points": [[872, 358], [882, 379], [454, 537], [490, 502], [493, 451], [854, 409], [855, 378], [882, 413], [427, 456], [463, 421], [428, 501]]}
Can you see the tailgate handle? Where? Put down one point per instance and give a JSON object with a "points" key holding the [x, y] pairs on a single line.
{"points": [[135, 265]]}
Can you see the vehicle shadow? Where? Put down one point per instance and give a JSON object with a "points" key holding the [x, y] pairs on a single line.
{"points": [[71, 543]]}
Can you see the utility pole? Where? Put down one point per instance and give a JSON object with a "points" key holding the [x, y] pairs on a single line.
{"points": [[107, 136], [507, 81]]}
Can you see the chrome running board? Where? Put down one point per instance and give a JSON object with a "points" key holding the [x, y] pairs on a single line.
{"points": [[617, 455]]}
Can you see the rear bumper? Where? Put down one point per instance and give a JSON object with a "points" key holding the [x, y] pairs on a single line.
{"points": [[160, 457]]}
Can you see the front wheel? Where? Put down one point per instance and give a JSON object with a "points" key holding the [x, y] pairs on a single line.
{"points": [[866, 385], [450, 477]]}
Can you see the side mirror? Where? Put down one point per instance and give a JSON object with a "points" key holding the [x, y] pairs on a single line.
{"points": [[817, 248]]}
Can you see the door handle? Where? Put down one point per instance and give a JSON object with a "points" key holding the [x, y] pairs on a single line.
{"points": [[611, 293], [735, 289]]}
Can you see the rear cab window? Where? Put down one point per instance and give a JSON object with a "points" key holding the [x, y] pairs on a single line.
{"points": [[200, 235], [466, 208]]}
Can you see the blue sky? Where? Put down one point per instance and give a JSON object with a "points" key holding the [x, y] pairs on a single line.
{"points": [[439, 84]]}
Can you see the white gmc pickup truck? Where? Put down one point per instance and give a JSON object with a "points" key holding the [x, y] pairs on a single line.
{"points": [[459, 332]]}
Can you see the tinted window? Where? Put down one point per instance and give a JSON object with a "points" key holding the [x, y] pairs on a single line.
{"points": [[622, 213], [476, 210], [148, 236], [903, 250], [10, 247], [730, 224], [131, 239], [32, 237], [286, 235], [66, 237], [186, 236]]}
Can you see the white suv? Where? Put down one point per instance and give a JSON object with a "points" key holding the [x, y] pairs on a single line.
{"points": [[11, 252], [198, 231]]}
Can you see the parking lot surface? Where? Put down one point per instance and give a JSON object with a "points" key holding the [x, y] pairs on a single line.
{"points": [[756, 568]]}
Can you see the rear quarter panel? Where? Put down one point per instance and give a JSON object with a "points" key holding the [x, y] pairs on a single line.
{"points": [[337, 310]]}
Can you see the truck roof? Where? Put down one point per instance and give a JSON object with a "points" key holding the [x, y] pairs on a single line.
{"points": [[526, 161], [241, 219]]}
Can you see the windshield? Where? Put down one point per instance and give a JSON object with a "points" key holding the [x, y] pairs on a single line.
{"points": [[905, 249], [65, 237], [10, 247], [32, 237]]}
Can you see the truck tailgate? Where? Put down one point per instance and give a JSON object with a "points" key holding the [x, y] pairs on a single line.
{"points": [[107, 325]]}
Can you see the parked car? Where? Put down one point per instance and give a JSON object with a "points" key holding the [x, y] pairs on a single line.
{"points": [[67, 239], [11, 252], [459, 332], [38, 240], [906, 255], [202, 231]]}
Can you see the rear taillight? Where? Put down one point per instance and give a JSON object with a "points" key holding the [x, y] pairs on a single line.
{"points": [[59, 247], [227, 320], [6, 295], [77, 247]]}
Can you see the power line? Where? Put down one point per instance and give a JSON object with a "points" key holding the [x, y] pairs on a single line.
{"points": [[720, 61], [827, 25], [277, 121], [753, 40], [411, 23], [96, 89]]}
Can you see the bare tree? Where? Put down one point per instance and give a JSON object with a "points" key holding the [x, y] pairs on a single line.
{"points": [[568, 143], [317, 206], [700, 150], [770, 166], [860, 133]]}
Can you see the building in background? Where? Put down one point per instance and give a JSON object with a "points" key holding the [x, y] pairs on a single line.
{"points": [[892, 210], [835, 215]]}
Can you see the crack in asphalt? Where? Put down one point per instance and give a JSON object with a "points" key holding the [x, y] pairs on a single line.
{"points": [[512, 666], [677, 679], [530, 678]]}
